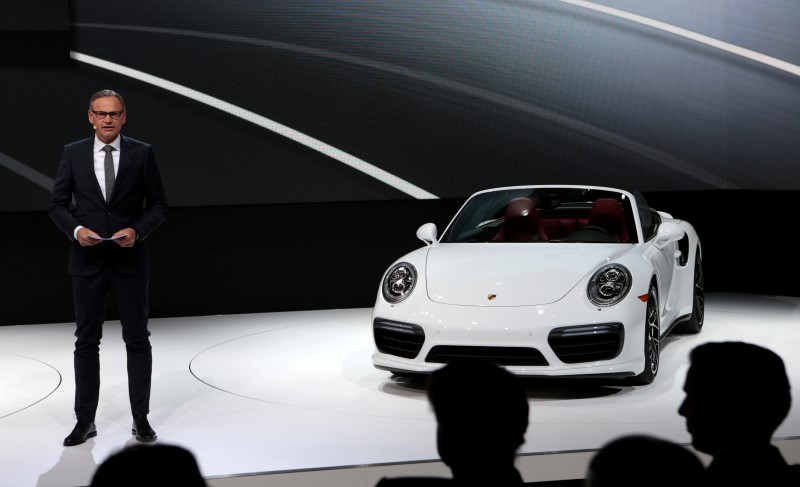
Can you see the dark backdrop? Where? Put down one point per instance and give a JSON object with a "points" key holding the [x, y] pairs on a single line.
{"points": [[324, 256]]}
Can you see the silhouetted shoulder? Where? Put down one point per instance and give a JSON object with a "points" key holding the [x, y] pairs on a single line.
{"points": [[415, 482], [753, 465]]}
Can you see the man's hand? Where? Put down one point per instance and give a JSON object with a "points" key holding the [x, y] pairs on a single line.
{"points": [[88, 237], [125, 237]]}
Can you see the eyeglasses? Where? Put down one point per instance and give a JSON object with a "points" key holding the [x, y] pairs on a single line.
{"points": [[113, 115]]}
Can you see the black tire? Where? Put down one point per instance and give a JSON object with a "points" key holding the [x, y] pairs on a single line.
{"points": [[652, 340], [695, 322]]}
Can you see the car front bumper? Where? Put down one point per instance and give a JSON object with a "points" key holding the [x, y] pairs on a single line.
{"points": [[527, 340]]}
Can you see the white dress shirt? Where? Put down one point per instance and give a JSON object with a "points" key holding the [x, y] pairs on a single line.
{"points": [[100, 161], [100, 167]]}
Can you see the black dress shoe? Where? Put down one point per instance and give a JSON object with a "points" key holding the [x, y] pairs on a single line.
{"points": [[141, 428], [81, 431]]}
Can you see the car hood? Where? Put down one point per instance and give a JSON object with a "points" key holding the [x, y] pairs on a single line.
{"points": [[511, 274]]}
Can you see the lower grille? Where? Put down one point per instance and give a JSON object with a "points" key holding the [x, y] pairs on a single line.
{"points": [[587, 343], [396, 338], [442, 354]]}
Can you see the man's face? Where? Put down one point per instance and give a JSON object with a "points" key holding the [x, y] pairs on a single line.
{"points": [[105, 126], [706, 415]]}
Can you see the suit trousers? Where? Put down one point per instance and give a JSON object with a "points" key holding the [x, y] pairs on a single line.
{"points": [[90, 295]]}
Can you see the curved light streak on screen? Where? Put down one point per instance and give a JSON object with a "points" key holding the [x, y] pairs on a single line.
{"points": [[651, 154], [688, 34], [26, 172], [246, 115]]}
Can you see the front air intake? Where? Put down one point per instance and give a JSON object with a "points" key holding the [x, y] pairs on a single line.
{"points": [[521, 356], [587, 343], [396, 338]]}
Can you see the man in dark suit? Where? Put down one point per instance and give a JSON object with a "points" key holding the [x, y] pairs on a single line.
{"points": [[107, 198]]}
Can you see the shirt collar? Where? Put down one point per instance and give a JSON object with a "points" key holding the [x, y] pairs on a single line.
{"points": [[99, 144]]}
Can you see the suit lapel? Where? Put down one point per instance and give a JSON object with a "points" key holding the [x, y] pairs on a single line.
{"points": [[88, 156], [124, 157]]}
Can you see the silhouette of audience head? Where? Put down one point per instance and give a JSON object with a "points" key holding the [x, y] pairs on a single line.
{"points": [[481, 411], [164, 465], [629, 461], [736, 394]]}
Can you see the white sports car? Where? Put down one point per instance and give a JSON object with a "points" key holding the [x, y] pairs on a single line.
{"points": [[558, 281]]}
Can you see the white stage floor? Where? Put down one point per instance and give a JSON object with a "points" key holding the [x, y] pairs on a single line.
{"points": [[282, 394]]}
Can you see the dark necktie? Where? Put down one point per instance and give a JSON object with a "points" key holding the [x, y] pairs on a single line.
{"points": [[109, 162]]}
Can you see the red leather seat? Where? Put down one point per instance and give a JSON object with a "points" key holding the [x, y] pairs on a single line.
{"points": [[521, 223], [607, 214]]}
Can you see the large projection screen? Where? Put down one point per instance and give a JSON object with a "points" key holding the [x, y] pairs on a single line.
{"points": [[270, 102]]}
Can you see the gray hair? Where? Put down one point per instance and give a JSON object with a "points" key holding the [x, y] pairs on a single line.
{"points": [[104, 93]]}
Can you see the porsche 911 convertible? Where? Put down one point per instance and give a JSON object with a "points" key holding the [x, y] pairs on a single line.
{"points": [[547, 281]]}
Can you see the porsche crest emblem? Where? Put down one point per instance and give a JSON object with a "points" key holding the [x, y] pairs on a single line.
{"points": [[491, 297]]}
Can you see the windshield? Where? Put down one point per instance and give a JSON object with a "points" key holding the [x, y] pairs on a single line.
{"points": [[545, 215]]}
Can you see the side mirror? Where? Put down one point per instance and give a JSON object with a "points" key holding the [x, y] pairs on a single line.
{"points": [[427, 233], [668, 232]]}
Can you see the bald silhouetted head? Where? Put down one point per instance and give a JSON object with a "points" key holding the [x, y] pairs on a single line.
{"points": [[482, 414], [164, 465], [628, 462]]}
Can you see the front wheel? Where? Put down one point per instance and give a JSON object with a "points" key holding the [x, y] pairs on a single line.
{"points": [[652, 340]]}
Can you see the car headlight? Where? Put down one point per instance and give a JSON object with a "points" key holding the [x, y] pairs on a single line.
{"points": [[609, 285], [399, 282]]}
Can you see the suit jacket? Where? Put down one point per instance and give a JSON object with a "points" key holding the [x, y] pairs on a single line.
{"points": [[138, 201]]}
